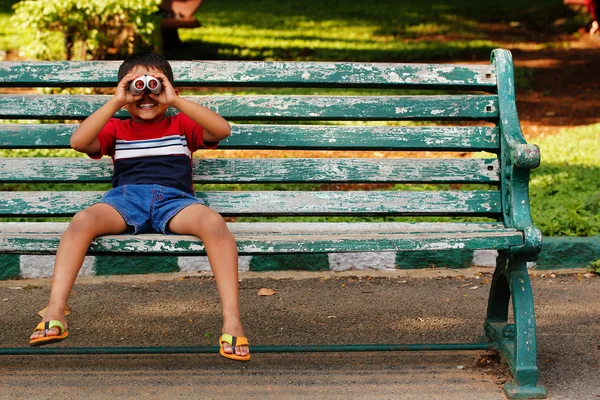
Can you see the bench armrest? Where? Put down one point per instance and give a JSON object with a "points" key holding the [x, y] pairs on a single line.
{"points": [[525, 155], [517, 158]]}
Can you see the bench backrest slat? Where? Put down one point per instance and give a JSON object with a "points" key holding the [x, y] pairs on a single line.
{"points": [[456, 109], [252, 170], [280, 108], [232, 73], [281, 203], [303, 137]]}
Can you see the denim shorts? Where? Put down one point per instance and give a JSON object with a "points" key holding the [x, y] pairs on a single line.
{"points": [[148, 208]]}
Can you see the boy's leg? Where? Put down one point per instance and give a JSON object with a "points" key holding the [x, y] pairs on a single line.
{"points": [[209, 226], [97, 220]]}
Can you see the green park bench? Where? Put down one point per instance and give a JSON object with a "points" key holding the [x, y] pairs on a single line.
{"points": [[447, 108]]}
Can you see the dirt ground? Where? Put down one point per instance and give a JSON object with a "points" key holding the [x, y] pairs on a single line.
{"points": [[319, 308], [565, 88]]}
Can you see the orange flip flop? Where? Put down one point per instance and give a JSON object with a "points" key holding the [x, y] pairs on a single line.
{"points": [[44, 326], [234, 341]]}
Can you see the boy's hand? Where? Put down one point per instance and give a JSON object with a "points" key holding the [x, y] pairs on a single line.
{"points": [[169, 94], [123, 95]]}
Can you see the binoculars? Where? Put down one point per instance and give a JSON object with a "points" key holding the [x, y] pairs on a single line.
{"points": [[143, 83]]}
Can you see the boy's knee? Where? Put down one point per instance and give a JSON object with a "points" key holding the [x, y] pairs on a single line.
{"points": [[84, 220], [215, 226]]}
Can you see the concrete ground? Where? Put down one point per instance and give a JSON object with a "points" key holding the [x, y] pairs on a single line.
{"points": [[418, 306]]}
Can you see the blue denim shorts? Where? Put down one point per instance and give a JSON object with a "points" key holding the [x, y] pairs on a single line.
{"points": [[148, 208]]}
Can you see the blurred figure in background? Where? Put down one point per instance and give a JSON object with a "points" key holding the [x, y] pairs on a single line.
{"points": [[592, 7]]}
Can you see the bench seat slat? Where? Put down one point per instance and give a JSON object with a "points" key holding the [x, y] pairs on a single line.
{"points": [[266, 170], [289, 228], [257, 73], [363, 108], [284, 238], [327, 137], [259, 203]]}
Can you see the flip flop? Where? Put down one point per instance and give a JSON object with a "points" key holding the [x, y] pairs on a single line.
{"points": [[44, 326], [234, 341]]}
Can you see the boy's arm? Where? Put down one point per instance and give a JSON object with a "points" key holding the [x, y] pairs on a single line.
{"points": [[85, 137], [215, 127]]}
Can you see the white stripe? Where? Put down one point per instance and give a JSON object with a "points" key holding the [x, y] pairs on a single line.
{"points": [[362, 261], [200, 264], [42, 266], [159, 151], [167, 140]]}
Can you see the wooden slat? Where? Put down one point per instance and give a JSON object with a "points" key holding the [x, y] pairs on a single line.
{"points": [[186, 245], [364, 108], [248, 73], [326, 137], [268, 170], [482, 203], [257, 238], [294, 228]]}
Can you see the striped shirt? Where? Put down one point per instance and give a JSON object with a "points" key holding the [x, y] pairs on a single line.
{"points": [[159, 153]]}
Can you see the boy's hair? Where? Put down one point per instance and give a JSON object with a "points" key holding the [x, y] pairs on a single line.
{"points": [[148, 60]]}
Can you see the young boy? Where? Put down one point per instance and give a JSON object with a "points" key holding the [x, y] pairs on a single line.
{"points": [[152, 191]]}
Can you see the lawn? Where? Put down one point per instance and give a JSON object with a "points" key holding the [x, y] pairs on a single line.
{"points": [[564, 190], [357, 30], [361, 30]]}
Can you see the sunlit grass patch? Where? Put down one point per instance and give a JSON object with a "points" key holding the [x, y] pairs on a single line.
{"points": [[565, 189]]}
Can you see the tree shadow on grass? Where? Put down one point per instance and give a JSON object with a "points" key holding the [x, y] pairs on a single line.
{"points": [[423, 50], [510, 20], [357, 30], [389, 14]]}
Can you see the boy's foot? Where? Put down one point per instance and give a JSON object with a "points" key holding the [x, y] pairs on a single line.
{"points": [[235, 330], [236, 342], [46, 327], [52, 328]]}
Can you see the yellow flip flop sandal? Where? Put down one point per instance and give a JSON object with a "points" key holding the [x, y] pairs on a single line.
{"points": [[44, 326], [234, 341]]}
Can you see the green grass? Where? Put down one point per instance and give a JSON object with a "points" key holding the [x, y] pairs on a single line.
{"points": [[361, 30], [353, 30], [595, 267], [565, 189]]}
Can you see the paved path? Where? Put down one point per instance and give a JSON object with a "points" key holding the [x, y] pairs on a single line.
{"points": [[414, 307]]}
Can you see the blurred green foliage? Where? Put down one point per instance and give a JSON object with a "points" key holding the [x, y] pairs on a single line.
{"points": [[86, 29], [595, 267]]}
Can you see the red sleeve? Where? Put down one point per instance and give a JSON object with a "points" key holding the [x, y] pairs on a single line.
{"points": [[107, 138], [194, 134]]}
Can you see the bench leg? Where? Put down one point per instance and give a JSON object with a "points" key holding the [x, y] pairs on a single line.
{"points": [[170, 38], [516, 342]]}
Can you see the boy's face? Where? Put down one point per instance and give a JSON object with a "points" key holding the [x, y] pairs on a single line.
{"points": [[146, 110]]}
